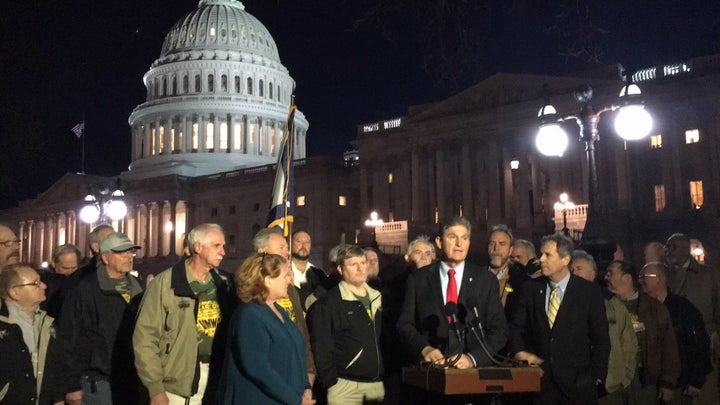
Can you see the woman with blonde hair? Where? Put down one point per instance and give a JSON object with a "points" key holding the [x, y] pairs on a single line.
{"points": [[265, 363]]}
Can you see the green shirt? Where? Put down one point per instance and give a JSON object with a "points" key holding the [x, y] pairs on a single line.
{"points": [[365, 300], [208, 316], [122, 286]]}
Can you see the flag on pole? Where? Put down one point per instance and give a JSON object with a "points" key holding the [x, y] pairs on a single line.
{"points": [[281, 213], [79, 129]]}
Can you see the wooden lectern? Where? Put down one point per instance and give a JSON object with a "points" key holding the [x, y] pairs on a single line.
{"points": [[474, 380]]}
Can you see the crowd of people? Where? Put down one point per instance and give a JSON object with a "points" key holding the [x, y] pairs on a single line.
{"points": [[281, 330]]}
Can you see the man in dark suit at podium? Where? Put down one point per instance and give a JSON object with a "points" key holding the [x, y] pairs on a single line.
{"points": [[561, 326], [424, 327]]}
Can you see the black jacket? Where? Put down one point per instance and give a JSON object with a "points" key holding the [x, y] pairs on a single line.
{"points": [[423, 321], [96, 330], [318, 283], [692, 340], [16, 373], [345, 338]]}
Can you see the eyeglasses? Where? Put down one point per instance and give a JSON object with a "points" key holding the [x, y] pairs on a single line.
{"points": [[129, 252], [35, 283], [11, 243]]}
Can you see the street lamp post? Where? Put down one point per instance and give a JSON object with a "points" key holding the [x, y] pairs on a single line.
{"points": [[632, 122], [104, 205], [564, 205], [373, 222]]}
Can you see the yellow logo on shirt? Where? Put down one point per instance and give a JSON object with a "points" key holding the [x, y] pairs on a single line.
{"points": [[208, 317]]}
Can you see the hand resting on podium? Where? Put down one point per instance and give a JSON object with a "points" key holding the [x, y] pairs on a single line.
{"points": [[435, 356]]}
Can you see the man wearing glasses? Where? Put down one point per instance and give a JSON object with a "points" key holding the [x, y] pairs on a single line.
{"points": [[97, 326], [9, 247], [28, 347]]}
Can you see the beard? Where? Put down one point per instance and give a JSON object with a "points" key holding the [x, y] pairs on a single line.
{"points": [[300, 256]]}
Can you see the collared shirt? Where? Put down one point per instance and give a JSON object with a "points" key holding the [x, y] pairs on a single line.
{"points": [[30, 329], [444, 277], [561, 291], [300, 276]]}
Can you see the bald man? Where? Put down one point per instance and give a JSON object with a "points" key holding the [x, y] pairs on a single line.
{"points": [[9, 246]]}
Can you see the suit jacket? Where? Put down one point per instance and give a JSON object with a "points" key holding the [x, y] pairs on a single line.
{"points": [[576, 350], [423, 321]]}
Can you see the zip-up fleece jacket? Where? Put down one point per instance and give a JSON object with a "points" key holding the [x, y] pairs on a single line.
{"points": [[345, 339], [166, 335]]}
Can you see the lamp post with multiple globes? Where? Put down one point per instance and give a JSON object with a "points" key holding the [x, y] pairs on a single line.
{"points": [[103, 206], [632, 122]]}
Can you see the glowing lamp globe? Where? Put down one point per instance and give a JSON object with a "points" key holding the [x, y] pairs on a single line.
{"points": [[90, 212], [633, 122], [116, 208]]}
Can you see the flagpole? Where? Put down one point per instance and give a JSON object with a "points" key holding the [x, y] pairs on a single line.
{"points": [[82, 160]]}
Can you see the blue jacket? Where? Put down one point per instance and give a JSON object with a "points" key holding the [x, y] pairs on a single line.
{"points": [[265, 363]]}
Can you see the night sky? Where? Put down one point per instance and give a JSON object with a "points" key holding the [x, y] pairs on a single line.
{"points": [[353, 62]]}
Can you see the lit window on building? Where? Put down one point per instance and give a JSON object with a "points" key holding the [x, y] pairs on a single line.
{"points": [[237, 139], [152, 141], [437, 215], [697, 197], [223, 136], [692, 136], [300, 201], [390, 178], [195, 143], [162, 140], [209, 136], [656, 141], [172, 139], [659, 197], [342, 201]]}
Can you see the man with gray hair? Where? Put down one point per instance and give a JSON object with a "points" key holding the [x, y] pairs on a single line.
{"points": [[96, 327], [523, 254], [29, 348], [510, 277], [424, 326], [94, 238], [623, 343], [420, 252], [692, 339], [181, 329], [9, 246], [60, 278]]}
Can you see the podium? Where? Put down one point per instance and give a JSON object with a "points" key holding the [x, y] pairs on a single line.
{"points": [[483, 380]]}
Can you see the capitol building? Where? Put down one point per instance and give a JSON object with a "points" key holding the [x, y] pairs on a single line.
{"points": [[206, 138]]}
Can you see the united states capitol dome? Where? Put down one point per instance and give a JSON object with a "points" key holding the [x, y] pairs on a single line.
{"points": [[217, 97], [216, 27]]}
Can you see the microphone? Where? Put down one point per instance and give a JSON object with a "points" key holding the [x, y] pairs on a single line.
{"points": [[451, 310], [477, 322], [497, 359]]}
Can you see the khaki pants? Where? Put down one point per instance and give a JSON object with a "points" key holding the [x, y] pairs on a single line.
{"points": [[197, 398], [346, 392]]}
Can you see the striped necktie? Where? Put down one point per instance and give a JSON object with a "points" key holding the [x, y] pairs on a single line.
{"points": [[553, 304]]}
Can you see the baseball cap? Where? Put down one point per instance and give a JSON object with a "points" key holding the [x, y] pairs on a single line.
{"points": [[117, 242]]}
